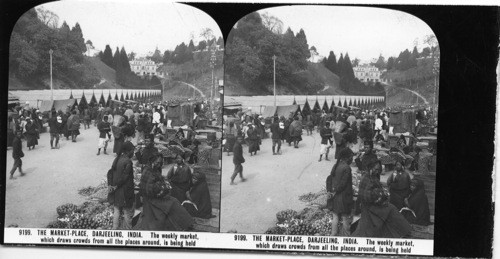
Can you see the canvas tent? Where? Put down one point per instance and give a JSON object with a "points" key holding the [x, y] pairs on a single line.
{"points": [[269, 111], [46, 106], [286, 110], [61, 105], [402, 121], [13, 99]]}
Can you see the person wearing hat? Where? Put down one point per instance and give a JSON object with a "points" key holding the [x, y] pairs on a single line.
{"points": [[17, 154], [339, 185], [121, 186]]}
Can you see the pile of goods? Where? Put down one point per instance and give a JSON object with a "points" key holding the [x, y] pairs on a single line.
{"points": [[90, 215], [311, 221], [99, 193]]}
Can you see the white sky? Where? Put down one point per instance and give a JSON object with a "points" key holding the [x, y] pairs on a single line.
{"points": [[139, 26], [363, 32]]}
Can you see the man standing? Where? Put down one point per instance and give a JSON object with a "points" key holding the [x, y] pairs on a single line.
{"points": [[74, 125], [296, 131], [121, 187], [276, 136], [238, 159], [104, 129], [55, 127], [17, 153], [326, 137]]}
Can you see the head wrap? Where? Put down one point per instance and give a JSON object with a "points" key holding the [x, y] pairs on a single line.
{"points": [[127, 147], [345, 153]]}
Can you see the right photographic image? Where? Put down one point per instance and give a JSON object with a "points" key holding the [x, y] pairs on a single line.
{"points": [[330, 123]]}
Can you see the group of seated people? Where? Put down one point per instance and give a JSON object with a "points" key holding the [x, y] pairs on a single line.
{"points": [[385, 214], [170, 202]]}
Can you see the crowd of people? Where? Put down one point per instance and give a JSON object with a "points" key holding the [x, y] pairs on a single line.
{"points": [[168, 202], [352, 133]]}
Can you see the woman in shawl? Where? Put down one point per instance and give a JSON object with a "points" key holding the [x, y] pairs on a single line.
{"points": [[399, 186], [199, 204], [379, 218], [230, 135], [253, 139], [160, 211], [418, 203], [339, 185], [31, 133], [118, 134], [179, 177]]}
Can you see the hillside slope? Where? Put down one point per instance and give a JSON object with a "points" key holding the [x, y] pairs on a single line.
{"points": [[331, 81], [316, 73], [106, 73]]}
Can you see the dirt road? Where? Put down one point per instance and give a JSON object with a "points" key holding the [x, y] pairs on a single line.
{"points": [[53, 177], [274, 183]]}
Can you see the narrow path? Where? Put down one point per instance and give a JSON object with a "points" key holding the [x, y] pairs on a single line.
{"points": [[194, 87]]}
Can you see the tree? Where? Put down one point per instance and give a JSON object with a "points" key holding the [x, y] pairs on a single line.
{"points": [[242, 61], [220, 41], [156, 57], [347, 67], [131, 56], [340, 65], [202, 45], [107, 56], [390, 63], [355, 62], [331, 63], [116, 60], [207, 34], [426, 52], [191, 46], [167, 57], [125, 65], [380, 64], [48, 18], [272, 23], [89, 42]]}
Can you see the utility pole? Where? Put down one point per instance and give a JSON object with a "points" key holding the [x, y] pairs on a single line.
{"points": [[51, 88], [274, 78]]}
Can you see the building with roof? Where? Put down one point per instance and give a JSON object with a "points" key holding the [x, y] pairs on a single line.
{"points": [[367, 73], [143, 67]]}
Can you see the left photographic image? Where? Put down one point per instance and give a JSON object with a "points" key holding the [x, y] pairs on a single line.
{"points": [[114, 118]]}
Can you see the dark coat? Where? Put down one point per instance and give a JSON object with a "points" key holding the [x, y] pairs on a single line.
{"points": [[17, 148], [73, 122], [180, 179], [399, 188], [419, 203], [122, 177], [295, 129], [238, 153], [55, 127], [160, 211], [200, 195], [340, 183], [378, 217]]}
